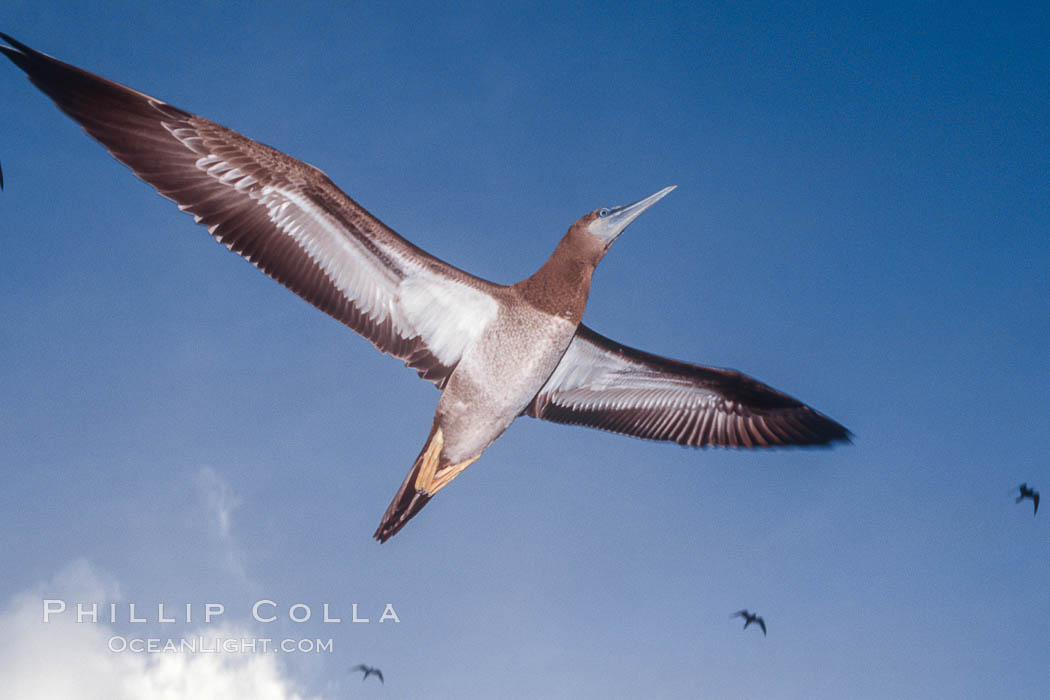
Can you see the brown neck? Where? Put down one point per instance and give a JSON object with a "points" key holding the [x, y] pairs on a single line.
{"points": [[560, 287]]}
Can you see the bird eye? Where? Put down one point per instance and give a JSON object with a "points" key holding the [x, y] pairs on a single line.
{"points": [[603, 212]]}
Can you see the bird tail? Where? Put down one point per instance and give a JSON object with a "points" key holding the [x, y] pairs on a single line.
{"points": [[428, 475], [409, 499]]}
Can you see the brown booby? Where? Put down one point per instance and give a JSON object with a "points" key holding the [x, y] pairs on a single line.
{"points": [[495, 351], [749, 618], [368, 671], [1027, 492]]}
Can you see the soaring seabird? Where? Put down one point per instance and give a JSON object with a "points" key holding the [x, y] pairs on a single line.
{"points": [[749, 618], [495, 351], [1029, 493], [369, 671]]}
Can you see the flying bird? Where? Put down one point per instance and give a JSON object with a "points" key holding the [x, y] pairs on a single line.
{"points": [[1029, 493], [496, 352], [749, 618], [369, 671]]}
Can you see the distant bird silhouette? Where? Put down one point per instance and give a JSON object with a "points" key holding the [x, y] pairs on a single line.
{"points": [[749, 618], [369, 671], [1029, 493]]}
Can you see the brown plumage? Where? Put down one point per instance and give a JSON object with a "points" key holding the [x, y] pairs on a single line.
{"points": [[496, 351]]}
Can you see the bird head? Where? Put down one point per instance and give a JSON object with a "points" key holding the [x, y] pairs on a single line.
{"points": [[607, 223]]}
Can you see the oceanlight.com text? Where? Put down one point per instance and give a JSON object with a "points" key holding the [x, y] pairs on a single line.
{"points": [[216, 645]]}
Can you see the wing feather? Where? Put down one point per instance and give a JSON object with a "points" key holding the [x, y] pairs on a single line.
{"points": [[602, 384], [284, 216]]}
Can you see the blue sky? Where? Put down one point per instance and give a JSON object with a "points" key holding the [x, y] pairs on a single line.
{"points": [[861, 220]]}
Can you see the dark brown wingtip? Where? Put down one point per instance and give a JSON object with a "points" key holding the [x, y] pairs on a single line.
{"points": [[20, 54], [811, 427], [828, 432], [803, 427], [84, 96], [14, 42], [10, 53]]}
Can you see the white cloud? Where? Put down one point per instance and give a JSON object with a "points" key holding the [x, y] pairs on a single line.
{"points": [[218, 498], [63, 659], [219, 502]]}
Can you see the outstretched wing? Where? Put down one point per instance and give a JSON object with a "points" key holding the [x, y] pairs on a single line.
{"points": [[740, 613], [762, 624], [380, 674], [284, 216], [603, 384]]}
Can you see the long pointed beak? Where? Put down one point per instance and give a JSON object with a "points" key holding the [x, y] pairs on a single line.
{"points": [[610, 226]]}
